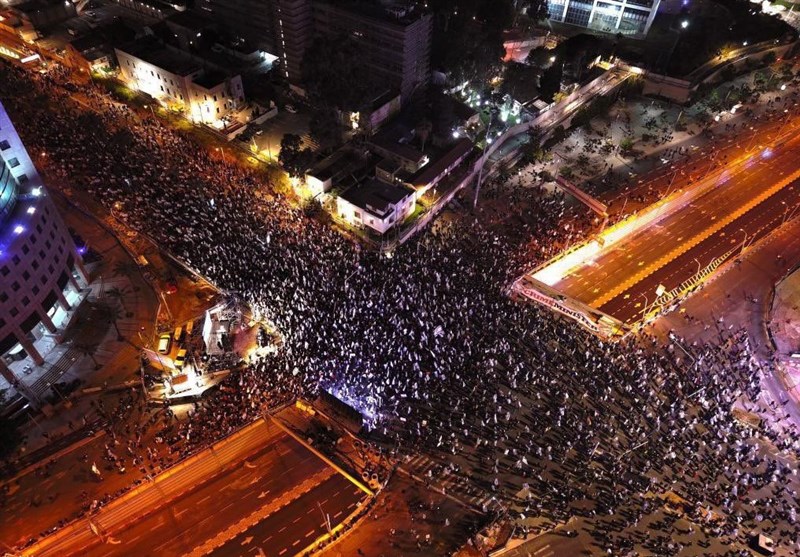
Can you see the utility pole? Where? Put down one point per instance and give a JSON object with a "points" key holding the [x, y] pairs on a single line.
{"points": [[492, 112]]}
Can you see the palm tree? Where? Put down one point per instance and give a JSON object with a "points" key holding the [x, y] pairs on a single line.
{"points": [[88, 349], [118, 294], [115, 314], [124, 267]]}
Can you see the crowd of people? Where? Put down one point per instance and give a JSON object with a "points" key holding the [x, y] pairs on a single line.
{"points": [[427, 345]]}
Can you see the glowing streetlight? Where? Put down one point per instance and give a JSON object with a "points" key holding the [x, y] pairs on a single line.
{"points": [[684, 24]]}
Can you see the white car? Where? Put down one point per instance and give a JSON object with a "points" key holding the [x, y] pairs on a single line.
{"points": [[290, 108]]}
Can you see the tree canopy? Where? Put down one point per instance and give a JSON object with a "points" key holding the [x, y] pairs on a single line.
{"points": [[335, 74]]}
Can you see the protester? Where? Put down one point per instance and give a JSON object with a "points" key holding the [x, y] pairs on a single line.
{"points": [[426, 343]]}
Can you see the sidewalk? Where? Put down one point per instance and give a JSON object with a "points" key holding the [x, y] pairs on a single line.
{"points": [[118, 299]]}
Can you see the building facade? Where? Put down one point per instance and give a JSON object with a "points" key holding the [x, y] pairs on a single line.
{"points": [[396, 43], [628, 17], [41, 272], [174, 78]]}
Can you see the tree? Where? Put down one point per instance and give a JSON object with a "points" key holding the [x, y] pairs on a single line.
{"points": [[118, 294], [423, 131], [88, 349], [293, 158], [124, 267], [325, 127], [626, 144], [9, 438], [550, 82], [536, 10], [520, 81], [335, 74]]}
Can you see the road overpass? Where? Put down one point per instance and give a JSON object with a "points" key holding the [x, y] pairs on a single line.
{"points": [[648, 262]]}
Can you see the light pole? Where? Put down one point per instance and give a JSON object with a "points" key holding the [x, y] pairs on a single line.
{"points": [[492, 112], [684, 24]]}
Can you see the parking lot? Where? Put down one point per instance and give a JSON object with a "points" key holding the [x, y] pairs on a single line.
{"points": [[267, 135]]}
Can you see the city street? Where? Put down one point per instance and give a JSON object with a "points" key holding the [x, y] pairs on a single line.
{"points": [[269, 475], [299, 523], [215, 496], [653, 253]]}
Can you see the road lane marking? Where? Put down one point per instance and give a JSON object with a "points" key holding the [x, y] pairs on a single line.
{"points": [[283, 551], [295, 543], [282, 529], [544, 548], [204, 499], [309, 533]]}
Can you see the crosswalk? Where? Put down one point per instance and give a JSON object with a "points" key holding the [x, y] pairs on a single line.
{"points": [[426, 469]]}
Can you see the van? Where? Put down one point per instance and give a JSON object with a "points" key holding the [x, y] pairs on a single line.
{"points": [[180, 358], [164, 342], [178, 334]]}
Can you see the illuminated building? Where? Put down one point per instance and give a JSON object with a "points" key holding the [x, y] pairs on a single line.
{"points": [[179, 80], [396, 41], [41, 273], [628, 17]]}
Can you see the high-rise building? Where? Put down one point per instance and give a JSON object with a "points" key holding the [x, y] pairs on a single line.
{"points": [[41, 272], [396, 39], [628, 17]]}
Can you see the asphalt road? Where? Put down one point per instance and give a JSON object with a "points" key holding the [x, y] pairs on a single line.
{"points": [[735, 188], [298, 524], [757, 223], [227, 498]]}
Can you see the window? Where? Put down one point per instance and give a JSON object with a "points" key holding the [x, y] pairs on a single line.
{"points": [[35, 265], [35, 290], [16, 259], [14, 312], [13, 162], [26, 301], [25, 249], [4, 145], [3, 297], [5, 270], [15, 286], [26, 275]]}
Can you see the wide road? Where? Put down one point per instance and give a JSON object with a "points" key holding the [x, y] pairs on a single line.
{"points": [[179, 527], [751, 227], [597, 282], [298, 524]]}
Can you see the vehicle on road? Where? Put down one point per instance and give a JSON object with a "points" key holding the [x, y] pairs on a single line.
{"points": [[180, 359], [164, 342]]}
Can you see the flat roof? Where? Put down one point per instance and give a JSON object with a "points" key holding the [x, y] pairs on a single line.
{"points": [[376, 195], [159, 55], [340, 161], [390, 137], [209, 79], [399, 14], [429, 172]]}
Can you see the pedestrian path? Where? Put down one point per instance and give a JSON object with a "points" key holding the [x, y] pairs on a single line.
{"points": [[426, 469]]}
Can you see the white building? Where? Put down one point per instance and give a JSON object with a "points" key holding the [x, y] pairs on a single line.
{"points": [[176, 79], [376, 205], [628, 17], [41, 272]]}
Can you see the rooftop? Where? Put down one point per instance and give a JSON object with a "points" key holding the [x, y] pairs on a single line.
{"points": [[161, 56], [399, 13], [397, 140], [431, 171], [210, 79], [375, 196]]}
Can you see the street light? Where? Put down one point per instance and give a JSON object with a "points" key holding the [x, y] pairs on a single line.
{"points": [[684, 25]]}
